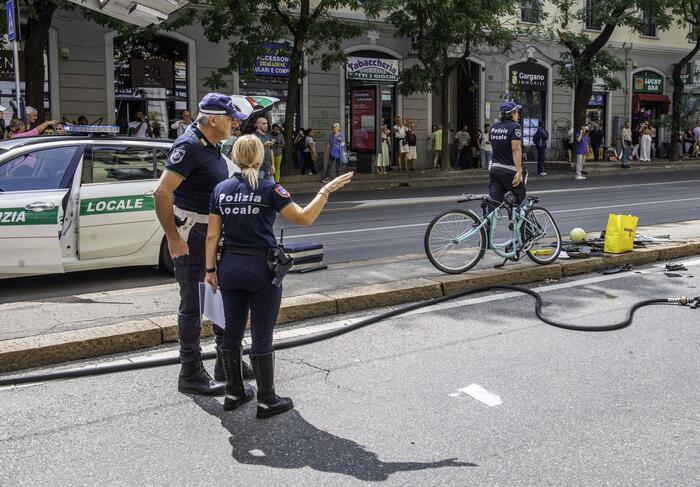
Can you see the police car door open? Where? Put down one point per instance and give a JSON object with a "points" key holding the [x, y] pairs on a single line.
{"points": [[34, 188], [117, 211]]}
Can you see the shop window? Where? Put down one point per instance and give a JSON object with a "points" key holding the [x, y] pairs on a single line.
{"points": [[531, 11], [150, 76], [593, 21], [649, 23]]}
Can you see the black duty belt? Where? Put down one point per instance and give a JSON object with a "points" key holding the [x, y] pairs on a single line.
{"points": [[237, 249]]}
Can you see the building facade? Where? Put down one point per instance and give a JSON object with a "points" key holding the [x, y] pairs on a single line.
{"points": [[91, 71]]}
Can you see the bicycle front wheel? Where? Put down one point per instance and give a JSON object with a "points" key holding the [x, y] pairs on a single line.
{"points": [[453, 243], [541, 236]]}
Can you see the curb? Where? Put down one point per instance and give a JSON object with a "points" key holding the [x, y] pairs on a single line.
{"points": [[41, 350]]}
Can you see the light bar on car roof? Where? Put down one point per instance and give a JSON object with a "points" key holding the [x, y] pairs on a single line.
{"points": [[91, 129]]}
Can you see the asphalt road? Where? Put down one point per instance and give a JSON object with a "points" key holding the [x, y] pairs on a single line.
{"points": [[373, 224], [382, 404]]}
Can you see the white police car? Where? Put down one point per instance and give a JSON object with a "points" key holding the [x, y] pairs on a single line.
{"points": [[80, 203]]}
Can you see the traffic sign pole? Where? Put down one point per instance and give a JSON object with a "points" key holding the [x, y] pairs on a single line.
{"points": [[12, 26]]}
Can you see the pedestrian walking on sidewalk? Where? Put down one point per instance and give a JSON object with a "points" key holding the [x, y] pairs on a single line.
{"points": [[262, 132], [401, 143], [645, 138], [463, 138], [596, 137], [277, 149], [383, 158], [436, 138], [485, 146], [249, 273], [336, 145], [412, 156], [299, 147], [540, 140], [626, 139], [581, 150], [310, 154], [193, 167]]}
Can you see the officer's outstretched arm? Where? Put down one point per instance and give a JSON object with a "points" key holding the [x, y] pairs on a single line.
{"points": [[306, 216]]}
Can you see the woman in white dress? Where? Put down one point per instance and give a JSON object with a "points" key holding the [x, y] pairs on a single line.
{"points": [[383, 159]]}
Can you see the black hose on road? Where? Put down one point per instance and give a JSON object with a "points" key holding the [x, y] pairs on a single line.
{"points": [[297, 342]]}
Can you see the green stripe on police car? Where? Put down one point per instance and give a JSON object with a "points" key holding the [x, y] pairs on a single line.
{"points": [[116, 204], [21, 216]]}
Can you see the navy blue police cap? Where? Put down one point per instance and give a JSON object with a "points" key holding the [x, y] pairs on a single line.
{"points": [[509, 106], [220, 104]]}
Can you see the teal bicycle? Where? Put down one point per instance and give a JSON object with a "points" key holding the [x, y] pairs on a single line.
{"points": [[456, 240]]}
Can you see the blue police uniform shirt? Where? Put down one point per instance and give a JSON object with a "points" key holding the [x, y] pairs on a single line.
{"points": [[199, 163], [502, 134], [248, 214]]}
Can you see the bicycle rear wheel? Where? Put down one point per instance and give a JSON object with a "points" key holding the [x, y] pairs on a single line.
{"points": [[443, 246], [541, 235]]}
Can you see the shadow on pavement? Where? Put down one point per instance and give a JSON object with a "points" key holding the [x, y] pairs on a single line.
{"points": [[289, 441]]}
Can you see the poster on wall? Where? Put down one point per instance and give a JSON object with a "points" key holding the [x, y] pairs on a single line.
{"points": [[363, 108], [277, 62]]}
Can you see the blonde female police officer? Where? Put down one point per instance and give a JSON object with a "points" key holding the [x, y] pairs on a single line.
{"points": [[244, 208], [194, 166]]}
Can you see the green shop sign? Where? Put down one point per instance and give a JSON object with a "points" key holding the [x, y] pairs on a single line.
{"points": [[648, 82]]}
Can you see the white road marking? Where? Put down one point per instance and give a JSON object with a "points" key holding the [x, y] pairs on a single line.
{"points": [[620, 207], [481, 394], [377, 203]]}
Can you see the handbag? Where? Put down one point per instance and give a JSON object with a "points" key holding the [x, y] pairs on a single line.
{"points": [[343, 157], [619, 233]]}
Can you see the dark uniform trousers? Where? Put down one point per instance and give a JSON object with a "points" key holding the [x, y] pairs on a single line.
{"points": [[189, 272], [501, 181]]}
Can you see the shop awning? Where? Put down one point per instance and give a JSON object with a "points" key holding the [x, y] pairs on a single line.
{"points": [[638, 98]]}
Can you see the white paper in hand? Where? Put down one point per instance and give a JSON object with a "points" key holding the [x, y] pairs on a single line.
{"points": [[211, 304]]}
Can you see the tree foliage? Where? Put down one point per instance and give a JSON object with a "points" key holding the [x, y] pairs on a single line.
{"points": [[315, 32], [585, 57], [445, 33]]}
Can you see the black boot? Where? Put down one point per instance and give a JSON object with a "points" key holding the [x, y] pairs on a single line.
{"points": [[194, 379], [269, 403], [236, 392], [219, 374]]}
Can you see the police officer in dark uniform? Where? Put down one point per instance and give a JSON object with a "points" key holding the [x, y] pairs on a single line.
{"points": [[248, 274], [194, 166], [506, 173]]}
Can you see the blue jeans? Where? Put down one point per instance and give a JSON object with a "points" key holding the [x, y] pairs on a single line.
{"points": [[246, 286], [625, 159], [189, 272], [331, 162]]}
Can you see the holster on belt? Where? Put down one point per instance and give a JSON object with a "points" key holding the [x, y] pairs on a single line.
{"points": [[280, 263]]}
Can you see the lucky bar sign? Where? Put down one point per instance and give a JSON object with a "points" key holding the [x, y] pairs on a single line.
{"points": [[372, 69], [648, 82]]}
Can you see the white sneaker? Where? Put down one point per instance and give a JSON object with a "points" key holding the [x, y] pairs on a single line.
{"points": [[542, 173], [579, 177]]}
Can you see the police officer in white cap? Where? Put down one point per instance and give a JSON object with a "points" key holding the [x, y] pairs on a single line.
{"points": [[194, 166]]}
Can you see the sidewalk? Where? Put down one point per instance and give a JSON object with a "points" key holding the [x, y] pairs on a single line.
{"points": [[298, 184], [102, 323]]}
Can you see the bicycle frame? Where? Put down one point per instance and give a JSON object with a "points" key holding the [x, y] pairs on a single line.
{"points": [[490, 221]]}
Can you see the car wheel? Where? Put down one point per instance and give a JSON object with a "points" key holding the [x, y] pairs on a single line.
{"points": [[166, 262]]}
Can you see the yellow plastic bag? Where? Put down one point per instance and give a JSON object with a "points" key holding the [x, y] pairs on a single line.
{"points": [[619, 234]]}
